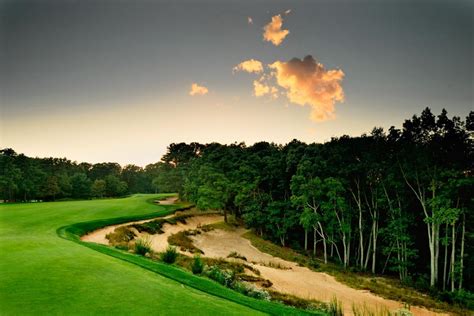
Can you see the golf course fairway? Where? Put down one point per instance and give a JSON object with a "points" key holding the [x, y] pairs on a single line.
{"points": [[42, 272]]}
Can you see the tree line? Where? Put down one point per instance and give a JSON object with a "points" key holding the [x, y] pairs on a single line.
{"points": [[396, 202], [25, 178]]}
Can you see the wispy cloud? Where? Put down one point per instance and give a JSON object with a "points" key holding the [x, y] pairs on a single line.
{"points": [[198, 90], [273, 31], [287, 11], [249, 20], [307, 82], [250, 66]]}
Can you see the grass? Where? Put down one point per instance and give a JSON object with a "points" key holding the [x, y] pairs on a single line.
{"points": [[236, 255], [44, 274], [142, 246], [170, 255], [182, 240]]}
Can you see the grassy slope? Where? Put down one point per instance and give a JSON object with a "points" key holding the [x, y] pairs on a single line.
{"points": [[41, 273]]}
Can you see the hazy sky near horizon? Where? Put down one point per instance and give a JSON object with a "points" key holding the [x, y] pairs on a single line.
{"points": [[110, 80]]}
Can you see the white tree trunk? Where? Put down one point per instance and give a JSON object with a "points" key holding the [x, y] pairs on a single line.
{"points": [[461, 260]]}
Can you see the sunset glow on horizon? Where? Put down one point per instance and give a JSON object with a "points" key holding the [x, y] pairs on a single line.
{"points": [[120, 81]]}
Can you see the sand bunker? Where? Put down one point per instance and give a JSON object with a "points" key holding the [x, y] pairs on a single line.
{"points": [[167, 201], [287, 277], [290, 278]]}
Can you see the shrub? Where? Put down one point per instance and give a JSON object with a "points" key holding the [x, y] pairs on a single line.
{"points": [[236, 255], [184, 243], [197, 266], [257, 293], [170, 255], [120, 237], [142, 246], [223, 277]]}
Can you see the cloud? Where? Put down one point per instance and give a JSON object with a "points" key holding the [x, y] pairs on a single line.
{"points": [[287, 11], [198, 90], [250, 66], [249, 20], [307, 82], [273, 32], [261, 88]]}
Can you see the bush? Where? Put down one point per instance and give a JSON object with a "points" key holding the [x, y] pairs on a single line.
{"points": [[223, 277], [170, 255], [197, 266], [142, 246], [184, 243], [120, 237], [257, 293]]}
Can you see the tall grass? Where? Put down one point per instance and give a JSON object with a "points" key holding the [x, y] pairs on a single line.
{"points": [[143, 246], [335, 307], [170, 255]]}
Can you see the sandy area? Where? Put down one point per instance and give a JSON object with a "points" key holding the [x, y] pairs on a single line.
{"points": [[295, 280], [167, 201], [98, 236]]}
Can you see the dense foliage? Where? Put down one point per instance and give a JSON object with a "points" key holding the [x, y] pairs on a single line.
{"points": [[397, 202], [24, 178]]}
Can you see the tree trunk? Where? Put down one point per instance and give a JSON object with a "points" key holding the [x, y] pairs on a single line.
{"points": [[323, 236], [445, 256], [453, 254], [367, 256], [461, 260], [306, 239], [314, 241], [431, 227], [436, 252], [374, 252], [358, 201]]}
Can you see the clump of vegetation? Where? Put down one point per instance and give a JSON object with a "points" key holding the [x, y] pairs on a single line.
{"points": [[170, 255], [364, 310], [224, 277], [182, 240], [275, 265], [236, 255], [297, 302], [251, 291], [143, 246], [155, 226], [120, 237], [198, 266], [228, 279], [255, 279], [335, 307]]}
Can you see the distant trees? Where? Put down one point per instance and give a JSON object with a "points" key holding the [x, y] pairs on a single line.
{"points": [[24, 178]]}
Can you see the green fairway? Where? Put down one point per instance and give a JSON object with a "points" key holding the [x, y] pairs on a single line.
{"points": [[42, 273]]}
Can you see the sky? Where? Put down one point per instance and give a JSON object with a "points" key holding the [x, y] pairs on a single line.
{"points": [[119, 81]]}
